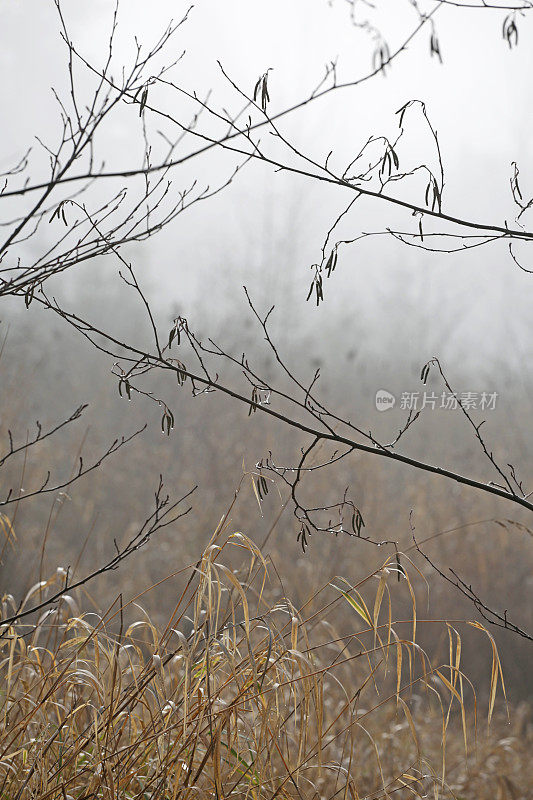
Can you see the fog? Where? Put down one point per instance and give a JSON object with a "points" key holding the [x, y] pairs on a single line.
{"points": [[387, 309], [478, 101]]}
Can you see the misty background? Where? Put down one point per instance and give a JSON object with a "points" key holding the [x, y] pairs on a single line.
{"points": [[388, 308]]}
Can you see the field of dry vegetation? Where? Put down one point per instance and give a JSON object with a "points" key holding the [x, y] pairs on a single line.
{"points": [[225, 574], [242, 693], [230, 663]]}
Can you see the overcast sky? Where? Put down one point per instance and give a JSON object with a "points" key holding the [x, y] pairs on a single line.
{"points": [[268, 228]]}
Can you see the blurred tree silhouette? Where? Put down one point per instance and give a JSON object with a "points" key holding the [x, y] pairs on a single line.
{"points": [[90, 211]]}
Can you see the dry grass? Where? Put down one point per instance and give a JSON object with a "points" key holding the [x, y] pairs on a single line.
{"points": [[243, 694], [464, 529]]}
